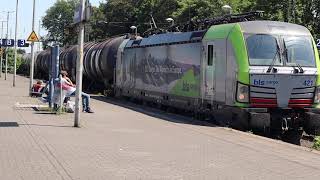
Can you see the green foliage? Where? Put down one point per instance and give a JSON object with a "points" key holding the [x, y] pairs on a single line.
{"points": [[316, 144], [315, 24], [97, 29], [116, 16], [11, 59], [304, 12], [137, 13], [21, 51], [202, 9], [58, 18], [197, 9]]}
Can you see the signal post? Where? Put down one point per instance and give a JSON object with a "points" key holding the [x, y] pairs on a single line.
{"points": [[81, 15]]}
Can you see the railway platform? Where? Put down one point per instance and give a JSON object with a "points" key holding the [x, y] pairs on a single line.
{"points": [[126, 141]]}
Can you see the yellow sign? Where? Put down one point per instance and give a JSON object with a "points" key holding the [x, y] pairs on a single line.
{"points": [[33, 37]]}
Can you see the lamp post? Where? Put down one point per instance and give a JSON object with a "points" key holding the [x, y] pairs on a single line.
{"points": [[79, 63], [227, 9], [39, 35], [170, 20], [136, 30], [1, 48], [32, 51], [6, 50], [15, 47]]}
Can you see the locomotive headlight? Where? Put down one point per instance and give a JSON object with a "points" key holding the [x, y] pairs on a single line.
{"points": [[242, 93], [317, 95]]}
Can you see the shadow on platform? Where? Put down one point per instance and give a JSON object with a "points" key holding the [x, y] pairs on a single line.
{"points": [[154, 112], [9, 124], [46, 125]]}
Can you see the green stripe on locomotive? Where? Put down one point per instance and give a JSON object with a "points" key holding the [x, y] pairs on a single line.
{"points": [[317, 61], [318, 67], [233, 33]]}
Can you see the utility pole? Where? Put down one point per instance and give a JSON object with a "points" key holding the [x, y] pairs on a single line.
{"points": [[15, 47], [1, 48], [79, 63], [39, 43], [6, 50], [32, 50], [294, 11]]}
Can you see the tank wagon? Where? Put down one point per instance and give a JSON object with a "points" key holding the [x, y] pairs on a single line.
{"points": [[98, 65], [25, 63], [258, 75]]}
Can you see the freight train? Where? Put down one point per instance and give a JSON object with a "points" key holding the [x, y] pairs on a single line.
{"points": [[253, 75]]}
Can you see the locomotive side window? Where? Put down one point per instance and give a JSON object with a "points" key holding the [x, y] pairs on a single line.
{"points": [[210, 55]]}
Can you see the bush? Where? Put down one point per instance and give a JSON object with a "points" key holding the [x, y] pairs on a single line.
{"points": [[316, 144]]}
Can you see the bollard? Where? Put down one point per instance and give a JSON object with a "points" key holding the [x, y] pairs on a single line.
{"points": [[60, 80], [51, 90]]}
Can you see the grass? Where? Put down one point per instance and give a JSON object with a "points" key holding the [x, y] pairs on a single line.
{"points": [[58, 111], [316, 144], [44, 109]]}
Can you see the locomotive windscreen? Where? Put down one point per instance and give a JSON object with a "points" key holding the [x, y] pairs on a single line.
{"points": [[267, 49]]}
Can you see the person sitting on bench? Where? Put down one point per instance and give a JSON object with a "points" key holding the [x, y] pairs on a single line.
{"points": [[70, 89], [37, 89]]}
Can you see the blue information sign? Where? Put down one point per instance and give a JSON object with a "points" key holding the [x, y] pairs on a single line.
{"points": [[77, 17], [318, 44], [3, 42], [21, 43], [10, 43]]}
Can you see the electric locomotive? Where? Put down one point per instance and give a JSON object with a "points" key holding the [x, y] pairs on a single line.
{"points": [[251, 75], [264, 74]]}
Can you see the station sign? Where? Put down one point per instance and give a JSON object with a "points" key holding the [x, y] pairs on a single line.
{"points": [[10, 43], [80, 16], [7, 42], [22, 43], [77, 17]]}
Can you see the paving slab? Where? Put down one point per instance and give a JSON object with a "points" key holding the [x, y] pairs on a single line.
{"points": [[121, 141]]}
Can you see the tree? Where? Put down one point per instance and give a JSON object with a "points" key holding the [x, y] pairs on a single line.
{"points": [[21, 51], [303, 12], [97, 23], [58, 18], [315, 10], [121, 14], [11, 59], [114, 17], [203, 9], [196, 9]]}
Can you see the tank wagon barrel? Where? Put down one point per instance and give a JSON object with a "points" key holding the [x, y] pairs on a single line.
{"points": [[98, 65]]}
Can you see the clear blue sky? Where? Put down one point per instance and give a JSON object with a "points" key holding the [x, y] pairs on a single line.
{"points": [[25, 15]]}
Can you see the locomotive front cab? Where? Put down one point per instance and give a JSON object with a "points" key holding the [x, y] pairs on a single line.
{"points": [[283, 71], [283, 92]]}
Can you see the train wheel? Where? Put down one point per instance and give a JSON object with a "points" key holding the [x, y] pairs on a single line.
{"points": [[312, 123], [292, 136], [240, 121], [160, 106]]}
